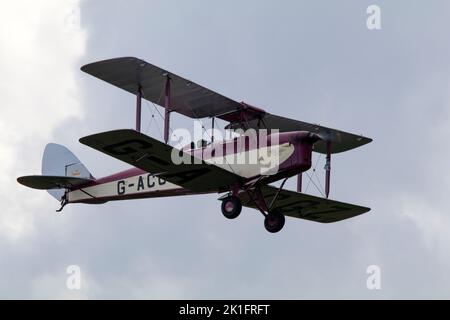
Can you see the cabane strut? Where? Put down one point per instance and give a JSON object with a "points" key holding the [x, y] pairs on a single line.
{"points": [[328, 170], [138, 109], [167, 109]]}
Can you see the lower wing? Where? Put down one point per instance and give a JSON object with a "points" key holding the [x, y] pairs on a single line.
{"points": [[155, 157], [304, 206]]}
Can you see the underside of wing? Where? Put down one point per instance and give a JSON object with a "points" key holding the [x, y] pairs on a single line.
{"points": [[187, 97], [304, 206], [52, 182], [155, 157]]}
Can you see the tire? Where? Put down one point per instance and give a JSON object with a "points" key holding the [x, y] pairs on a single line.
{"points": [[274, 221], [231, 207]]}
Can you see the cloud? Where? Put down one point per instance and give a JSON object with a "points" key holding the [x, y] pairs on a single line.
{"points": [[40, 45], [426, 204]]}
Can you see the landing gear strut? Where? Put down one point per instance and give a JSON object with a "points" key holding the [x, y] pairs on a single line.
{"points": [[273, 218], [231, 207]]}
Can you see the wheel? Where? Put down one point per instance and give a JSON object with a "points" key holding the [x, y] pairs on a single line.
{"points": [[231, 207], [274, 221]]}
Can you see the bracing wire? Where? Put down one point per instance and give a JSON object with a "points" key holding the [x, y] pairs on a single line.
{"points": [[314, 169], [318, 189]]}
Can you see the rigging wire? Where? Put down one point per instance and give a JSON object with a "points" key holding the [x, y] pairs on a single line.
{"points": [[314, 169], [224, 156], [170, 130], [147, 129], [310, 178], [157, 110], [318, 181], [157, 125]]}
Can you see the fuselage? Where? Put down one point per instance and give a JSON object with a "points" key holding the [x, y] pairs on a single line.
{"points": [[278, 156]]}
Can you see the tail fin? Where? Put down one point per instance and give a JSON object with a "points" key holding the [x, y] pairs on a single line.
{"points": [[60, 161]]}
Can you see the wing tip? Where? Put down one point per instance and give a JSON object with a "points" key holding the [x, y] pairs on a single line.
{"points": [[21, 179], [27, 181], [86, 139], [87, 67], [366, 140]]}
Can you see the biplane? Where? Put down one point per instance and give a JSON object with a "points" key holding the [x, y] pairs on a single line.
{"points": [[154, 172]]}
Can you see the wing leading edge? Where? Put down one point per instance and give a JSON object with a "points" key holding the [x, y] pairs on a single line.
{"points": [[187, 97], [52, 182]]}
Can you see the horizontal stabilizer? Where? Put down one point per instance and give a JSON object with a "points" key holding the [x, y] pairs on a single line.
{"points": [[52, 182], [305, 206]]}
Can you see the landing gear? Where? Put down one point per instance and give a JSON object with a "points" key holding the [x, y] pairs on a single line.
{"points": [[273, 218], [274, 221], [231, 207]]}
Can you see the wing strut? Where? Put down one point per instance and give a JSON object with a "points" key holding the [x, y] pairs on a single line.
{"points": [[212, 129], [328, 170], [167, 111], [138, 109]]}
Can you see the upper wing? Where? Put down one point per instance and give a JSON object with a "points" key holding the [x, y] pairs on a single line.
{"points": [[154, 156], [304, 206], [196, 101], [187, 97], [340, 141], [52, 182]]}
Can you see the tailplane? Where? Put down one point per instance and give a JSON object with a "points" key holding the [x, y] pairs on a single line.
{"points": [[61, 170]]}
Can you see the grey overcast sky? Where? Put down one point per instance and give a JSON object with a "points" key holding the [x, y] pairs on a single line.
{"points": [[310, 60]]}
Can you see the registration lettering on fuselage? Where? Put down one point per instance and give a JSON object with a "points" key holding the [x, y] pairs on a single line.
{"points": [[144, 183]]}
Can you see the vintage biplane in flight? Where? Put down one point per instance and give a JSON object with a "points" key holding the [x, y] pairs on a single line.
{"points": [[155, 174]]}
